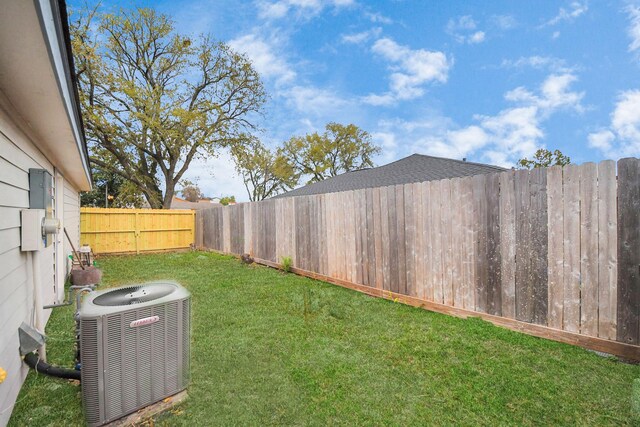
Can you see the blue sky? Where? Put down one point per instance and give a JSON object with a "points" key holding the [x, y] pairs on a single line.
{"points": [[489, 81]]}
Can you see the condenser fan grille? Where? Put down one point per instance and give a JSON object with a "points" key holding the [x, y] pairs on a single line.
{"points": [[134, 295]]}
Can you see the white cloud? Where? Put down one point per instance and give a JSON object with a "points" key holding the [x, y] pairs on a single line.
{"points": [[626, 117], [315, 101], [501, 139], [514, 133], [411, 70], [538, 62], [602, 140], [361, 37], [272, 10], [576, 8], [455, 144], [269, 63], [634, 28], [622, 138], [378, 18], [477, 37], [554, 94], [464, 30], [465, 22], [467, 140], [294, 100], [389, 146], [504, 22]]}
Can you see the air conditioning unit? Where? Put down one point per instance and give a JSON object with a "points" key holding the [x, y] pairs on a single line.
{"points": [[134, 348]]}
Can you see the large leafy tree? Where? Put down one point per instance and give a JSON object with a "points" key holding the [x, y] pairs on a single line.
{"points": [[339, 149], [544, 158], [265, 173], [153, 100]]}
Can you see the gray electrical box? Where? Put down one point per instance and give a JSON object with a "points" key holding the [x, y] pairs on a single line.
{"points": [[40, 198], [40, 190]]}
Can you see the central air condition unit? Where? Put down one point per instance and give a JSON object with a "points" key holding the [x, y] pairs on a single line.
{"points": [[134, 348]]}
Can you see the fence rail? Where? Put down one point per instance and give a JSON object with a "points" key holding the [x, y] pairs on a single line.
{"points": [[556, 247], [136, 230]]}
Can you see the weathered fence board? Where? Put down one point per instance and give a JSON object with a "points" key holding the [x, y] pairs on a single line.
{"points": [[427, 291], [556, 243], [558, 248], [468, 251], [409, 240], [446, 213], [378, 233], [539, 245], [524, 294], [607, 249], [508, 244], [482, 267], [457, 236], [629, 251], [571, 248], [589, 249], [494, 276], [437, 251]]}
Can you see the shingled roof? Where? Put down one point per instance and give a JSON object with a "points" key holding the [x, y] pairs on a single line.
{"points": [[415, 168]]}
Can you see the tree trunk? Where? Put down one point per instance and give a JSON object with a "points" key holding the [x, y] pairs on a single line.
{"points": [[168, 196], [154, 200]]}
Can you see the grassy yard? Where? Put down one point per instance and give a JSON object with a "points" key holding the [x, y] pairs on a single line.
{"points": [[277, 349]]}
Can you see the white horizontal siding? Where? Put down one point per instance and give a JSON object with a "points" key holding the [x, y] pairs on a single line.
{"points": [[12, 175], [17, 297], [9, 239], [11, 196], [16, 373], [9, 217], [18, 153], [71, 207]]}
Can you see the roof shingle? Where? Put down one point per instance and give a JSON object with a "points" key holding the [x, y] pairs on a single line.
{"points": [[415, 168]]}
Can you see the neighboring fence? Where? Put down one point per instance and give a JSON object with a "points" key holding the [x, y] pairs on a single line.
{"points": [[136, 230], [548, 251]]}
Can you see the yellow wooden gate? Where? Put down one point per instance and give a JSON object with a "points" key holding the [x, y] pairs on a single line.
{"points": [[136, 230]]}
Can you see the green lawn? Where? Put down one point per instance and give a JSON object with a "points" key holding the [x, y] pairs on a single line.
{"points": [[278, 349]]}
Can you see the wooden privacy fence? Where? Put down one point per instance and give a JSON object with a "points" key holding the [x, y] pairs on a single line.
{"points": [[136, 230], [552, 252]]}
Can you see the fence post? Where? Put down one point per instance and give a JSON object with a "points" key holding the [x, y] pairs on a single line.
{"points": [[136, 232]]}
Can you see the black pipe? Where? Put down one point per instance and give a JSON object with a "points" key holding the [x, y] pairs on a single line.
{"points": [[34, 362]]}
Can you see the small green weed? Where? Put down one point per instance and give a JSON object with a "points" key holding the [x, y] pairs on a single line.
{"points": [[287, 263]]}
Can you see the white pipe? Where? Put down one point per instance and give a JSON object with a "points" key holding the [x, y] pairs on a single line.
{"points": [[37, 301]]}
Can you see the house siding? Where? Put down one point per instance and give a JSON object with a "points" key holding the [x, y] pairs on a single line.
{"points": [[19, 153], [71, 212]]}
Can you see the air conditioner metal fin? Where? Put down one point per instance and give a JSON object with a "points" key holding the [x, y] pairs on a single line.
{"points": [[134, 295]]}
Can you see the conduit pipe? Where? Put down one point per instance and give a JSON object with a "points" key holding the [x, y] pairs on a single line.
{"points": [[36, 279], [43, 367]]}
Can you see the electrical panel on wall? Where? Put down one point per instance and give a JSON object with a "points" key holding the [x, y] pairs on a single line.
{"points": [[39, 225], [40, 190]]}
